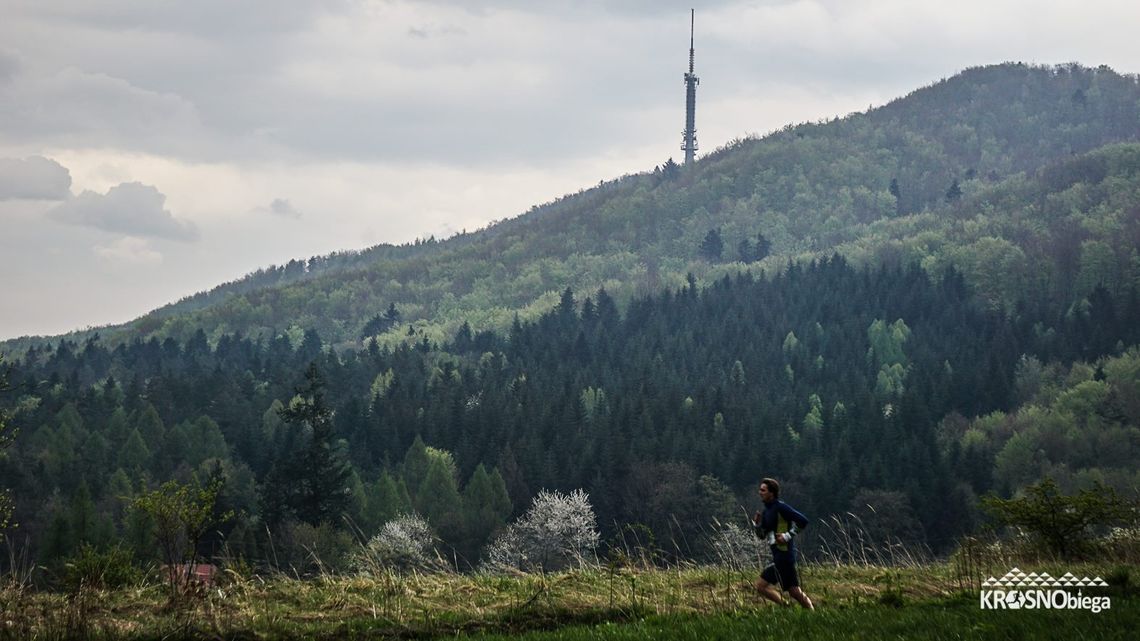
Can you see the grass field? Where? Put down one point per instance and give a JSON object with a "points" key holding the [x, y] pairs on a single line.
{"points": [[691, 603]]}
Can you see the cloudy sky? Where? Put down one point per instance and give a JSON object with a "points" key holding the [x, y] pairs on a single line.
{"points": [[150, 149]]}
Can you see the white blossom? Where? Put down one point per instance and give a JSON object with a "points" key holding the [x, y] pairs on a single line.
{"points": [[405, 543], [557, 531], [735, 547]]}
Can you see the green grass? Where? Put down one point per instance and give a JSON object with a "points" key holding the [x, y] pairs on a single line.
{"points": [[691, 603], [959, 619]]}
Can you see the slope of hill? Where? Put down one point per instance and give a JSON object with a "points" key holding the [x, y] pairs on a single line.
{"points": [[898, 182], [976, 332]]}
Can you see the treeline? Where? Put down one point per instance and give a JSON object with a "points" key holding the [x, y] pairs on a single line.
{"points": [[983, 171], [846, 383]]}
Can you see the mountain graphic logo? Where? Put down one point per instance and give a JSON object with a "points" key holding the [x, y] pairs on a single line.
{"points": [[1015, 578]]}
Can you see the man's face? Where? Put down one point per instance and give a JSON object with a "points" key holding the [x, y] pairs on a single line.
{"points": [[765, 495]]}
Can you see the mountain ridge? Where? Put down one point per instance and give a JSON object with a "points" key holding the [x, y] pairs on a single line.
{"points": [[808, 188]]}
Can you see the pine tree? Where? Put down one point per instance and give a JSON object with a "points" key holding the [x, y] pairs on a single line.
{"points": [[486, 505], [321, 473], [438, 499], [712, 247]]}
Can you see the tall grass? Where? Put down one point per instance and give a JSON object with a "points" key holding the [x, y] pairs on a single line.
{"points": [[416, 604], [845, 540], [634, 583]]}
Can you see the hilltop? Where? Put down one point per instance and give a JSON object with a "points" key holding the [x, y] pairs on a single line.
{"points": [[930, 317], [967, 165]]}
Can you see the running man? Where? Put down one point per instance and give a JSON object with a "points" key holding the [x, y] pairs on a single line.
{"points": [[777, 524]]}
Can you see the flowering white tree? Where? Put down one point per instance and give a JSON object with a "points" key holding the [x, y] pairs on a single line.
{"points": [[557, 531], [405, 543], [733, 546]]}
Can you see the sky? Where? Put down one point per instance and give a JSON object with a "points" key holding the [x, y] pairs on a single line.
{"points": [[152, 149]]}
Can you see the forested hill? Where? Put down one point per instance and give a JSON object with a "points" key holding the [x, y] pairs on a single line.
{"points": [[883, 387], [969, 170], [933, 301]]}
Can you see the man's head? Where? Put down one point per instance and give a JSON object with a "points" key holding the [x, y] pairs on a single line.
{"points": [[769, 490]]}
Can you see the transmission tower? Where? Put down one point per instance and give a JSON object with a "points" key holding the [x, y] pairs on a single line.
{"points": [[689, 143]]}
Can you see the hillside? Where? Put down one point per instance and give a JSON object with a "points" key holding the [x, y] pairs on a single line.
{"points": [[935, 322], [872, 186]]}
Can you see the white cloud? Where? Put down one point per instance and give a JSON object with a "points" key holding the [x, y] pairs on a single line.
{"points": [[130, 208], [130, 250], [35, 178], [283, 208]]}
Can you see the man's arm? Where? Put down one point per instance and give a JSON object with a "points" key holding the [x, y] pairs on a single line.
{"points": [[797, 521]]}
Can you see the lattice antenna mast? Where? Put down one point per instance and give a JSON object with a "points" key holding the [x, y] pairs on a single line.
{"points": [[689, 142]]}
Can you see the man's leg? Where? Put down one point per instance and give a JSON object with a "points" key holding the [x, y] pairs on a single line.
{"points": [[765, 588], [799, 595]]}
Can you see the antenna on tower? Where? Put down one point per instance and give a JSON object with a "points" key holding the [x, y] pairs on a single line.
{"points": [[689, 140]]}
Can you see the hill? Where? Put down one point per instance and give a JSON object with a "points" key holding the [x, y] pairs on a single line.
{"points": [[923, 177], [910, 346]]}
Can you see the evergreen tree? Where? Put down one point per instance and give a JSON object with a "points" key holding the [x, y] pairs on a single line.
{"points": [[712, 247], [321, 473], [416, 464], [438, 499], [387, 499], [954, 193], [486, 505]]}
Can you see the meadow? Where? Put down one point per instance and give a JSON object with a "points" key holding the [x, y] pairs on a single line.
{"points": [[921, 601]]}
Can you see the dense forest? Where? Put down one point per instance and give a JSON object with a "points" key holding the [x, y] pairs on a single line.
{"points": [[907, 308], [855, 385]]}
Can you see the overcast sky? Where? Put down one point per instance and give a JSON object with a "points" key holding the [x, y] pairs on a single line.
{"points": [[151, 149]]}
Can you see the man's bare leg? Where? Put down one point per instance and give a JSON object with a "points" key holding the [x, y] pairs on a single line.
{"points": [[765, 588], [800, 596]]}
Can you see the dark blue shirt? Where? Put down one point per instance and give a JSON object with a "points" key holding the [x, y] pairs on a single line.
{"points": [[779, 517]]}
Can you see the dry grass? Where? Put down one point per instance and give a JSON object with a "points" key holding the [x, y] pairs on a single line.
{"points": [[424, 605]]}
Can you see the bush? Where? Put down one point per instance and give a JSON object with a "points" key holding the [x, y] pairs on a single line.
{"points": [[318, 550], [404, 544], [732, 546], [106, 569], [1066, 524], [559, 530]]}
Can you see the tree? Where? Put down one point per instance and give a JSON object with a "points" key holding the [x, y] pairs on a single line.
{"points": [[438, 497], [762, 248], [181, 515], [486, 505], [557, 531], [894, 189], [1063, 523], [712, 247], [379, 324], [954, 193], [392, 315], [405, 544], [321, 473], [416, 463], [385, 499], [744, 251]]}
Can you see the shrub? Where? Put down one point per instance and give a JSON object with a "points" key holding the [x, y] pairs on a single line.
{"points": [[732, 546], [320, 549], [559, 530], [404, 544], [106, 569], [1065, 524]]}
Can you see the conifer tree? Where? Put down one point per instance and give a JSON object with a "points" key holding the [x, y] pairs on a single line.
{"points": [[321, 472]]}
